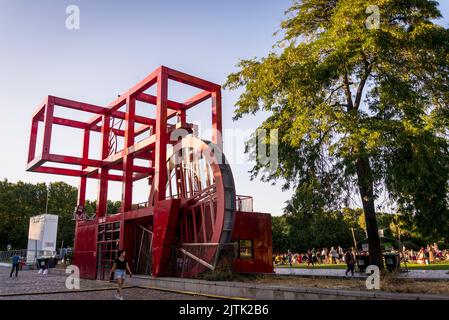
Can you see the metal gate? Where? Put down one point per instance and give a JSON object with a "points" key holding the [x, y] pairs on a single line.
{"points": [[108, 243], [143, 249]]}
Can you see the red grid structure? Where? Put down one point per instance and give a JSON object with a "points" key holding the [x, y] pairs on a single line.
{"points": [[123, 160], [152, 148]]}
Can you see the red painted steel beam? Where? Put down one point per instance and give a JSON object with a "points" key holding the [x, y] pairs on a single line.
{"points": [[146, 83], [40, 110], [193, 101], [73, 173], [142, 129], [76, 105], [83, 181], [138, 150], [145, 155], [135, 169], [35, 163], [81, 125], [135, 90], [197, 99], [102, 198], [160, 175], [60, 171], [86, 107], [191, 80], [147, 98], [122, 116], [74, 160], [217, 119], [48, 123], [69, 123], [139, 213], [128, 161], [33, 139], [138, 173], [141, 176]]}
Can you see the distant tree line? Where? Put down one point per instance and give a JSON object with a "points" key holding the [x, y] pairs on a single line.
{"points": [[300, 231], [304, 225], [20, 201]]}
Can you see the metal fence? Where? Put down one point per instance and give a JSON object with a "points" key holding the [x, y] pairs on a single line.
{"points": [[6, 256], [244, 203]]}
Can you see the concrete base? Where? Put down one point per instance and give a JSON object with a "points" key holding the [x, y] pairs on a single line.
{"points": [[264, 292], [239, 290]]}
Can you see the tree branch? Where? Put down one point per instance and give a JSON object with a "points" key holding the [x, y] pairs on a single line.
{"points": [[348, 91], [332, 93], [364, 78]]}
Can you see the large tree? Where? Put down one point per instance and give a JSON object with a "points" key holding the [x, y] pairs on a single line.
{"points": [[360, 107]]}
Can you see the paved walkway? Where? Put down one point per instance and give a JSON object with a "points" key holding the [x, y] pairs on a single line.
{"points": [[340, 273], [30, 285]]}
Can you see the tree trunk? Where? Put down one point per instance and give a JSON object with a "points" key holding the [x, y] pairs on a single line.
{"points": [[366, 187]]}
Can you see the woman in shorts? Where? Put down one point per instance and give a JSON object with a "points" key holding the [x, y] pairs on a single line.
{"points": [[119, 269]]}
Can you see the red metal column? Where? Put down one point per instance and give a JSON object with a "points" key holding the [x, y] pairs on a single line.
{"points": [[216, 119], [166, 217], [182, 117], [33, 138], [83, 182], [128, 161], [102, 202], [49, 110], [160, 175]]}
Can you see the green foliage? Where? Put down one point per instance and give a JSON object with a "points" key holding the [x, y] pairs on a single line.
{"points": [[20, 201], [357, 109], [280, 237], [113, 206], [62, 202], [299, 230]]}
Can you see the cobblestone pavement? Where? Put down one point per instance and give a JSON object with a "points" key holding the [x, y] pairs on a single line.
{"points": [[33, 286], [412, 274], [128, 294]]}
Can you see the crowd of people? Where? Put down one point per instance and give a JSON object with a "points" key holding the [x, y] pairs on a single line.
{"points": [[428, 255], [336, 255], [333, 255]]}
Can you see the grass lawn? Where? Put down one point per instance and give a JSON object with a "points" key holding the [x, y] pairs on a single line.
{"points": [[317, 266], [435, 266], [387, 284]]}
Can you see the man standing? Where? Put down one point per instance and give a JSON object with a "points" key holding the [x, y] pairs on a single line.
{"points": [[290, 257], [15, 264], [350, 262]]}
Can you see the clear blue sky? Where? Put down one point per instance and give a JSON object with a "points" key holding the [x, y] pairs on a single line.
{"points": [[118, 44]]}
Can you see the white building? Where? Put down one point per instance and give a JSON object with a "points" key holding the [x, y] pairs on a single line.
{"points": [[42, 237]]}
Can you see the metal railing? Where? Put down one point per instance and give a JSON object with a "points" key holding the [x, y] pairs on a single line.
{"points": [[244, 203], [6, 256]]}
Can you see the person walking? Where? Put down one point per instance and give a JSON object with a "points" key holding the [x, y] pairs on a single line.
{"points": [[431, 254], [340, 254], [15, 264], [119, 269], [323, 256], [334, 255], [290, 258], [350, 262], [310, 258], [314, 256]]}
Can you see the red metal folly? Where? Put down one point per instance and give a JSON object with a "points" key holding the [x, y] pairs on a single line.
{"points": [[193, 220]]}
